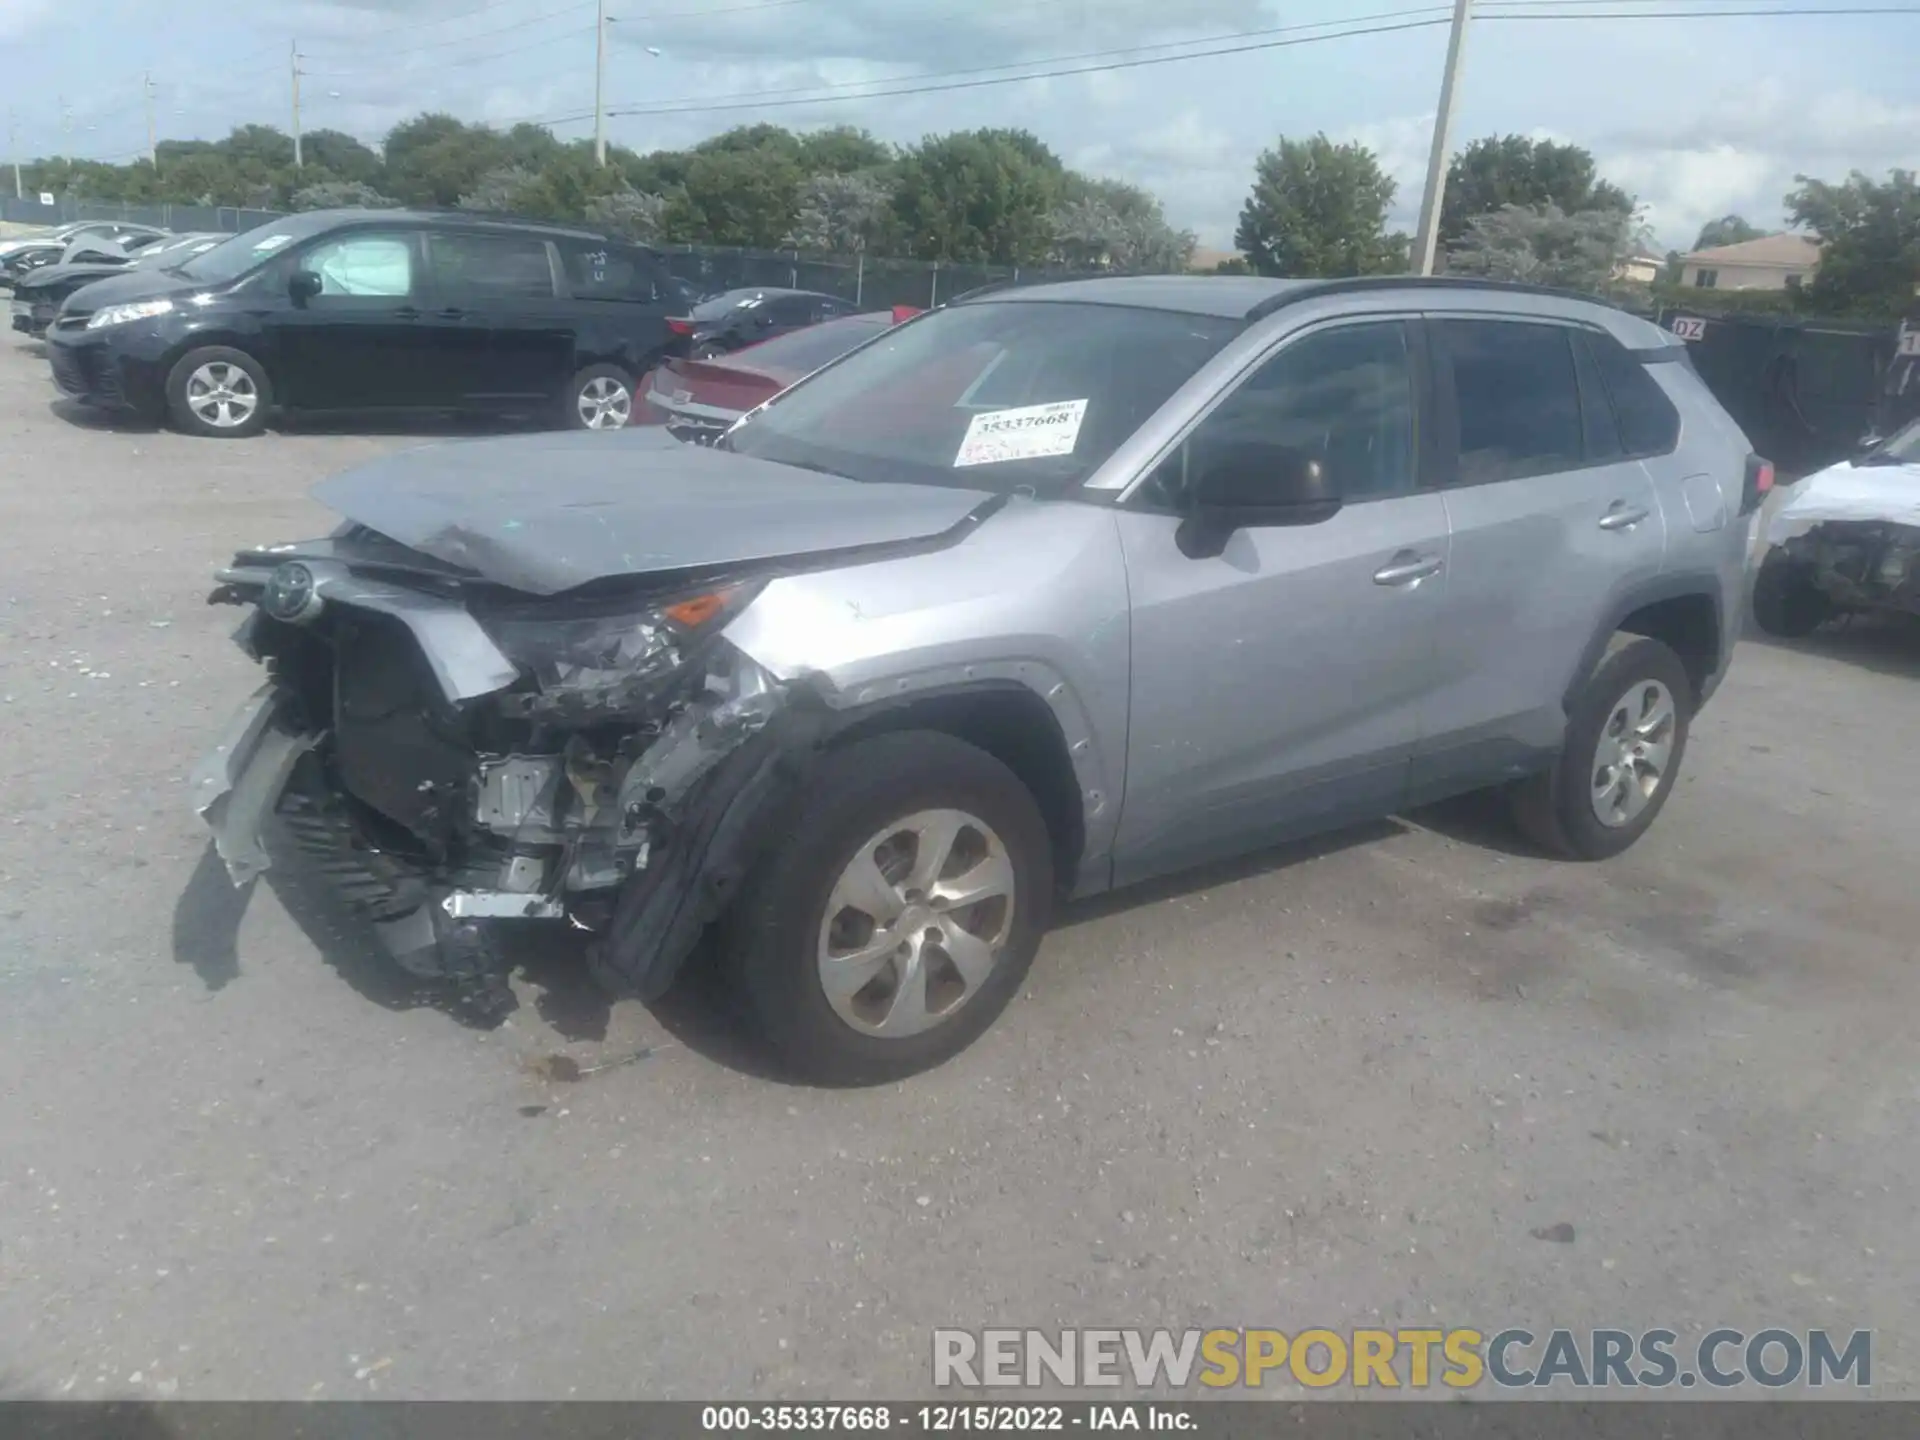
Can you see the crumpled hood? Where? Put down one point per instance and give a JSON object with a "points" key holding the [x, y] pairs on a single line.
{"points": [[48, 276], [1887, 493], [545, 513]]}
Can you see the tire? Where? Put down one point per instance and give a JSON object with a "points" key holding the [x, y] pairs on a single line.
{"points": [[778, 937], [1786, 602], [600, 397], [219, 393], [1561, 809]]}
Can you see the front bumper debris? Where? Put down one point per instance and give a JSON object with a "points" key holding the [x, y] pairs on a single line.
{"points": [[239, 783], [435, 789]]}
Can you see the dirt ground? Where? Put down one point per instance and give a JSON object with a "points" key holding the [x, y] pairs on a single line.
{"points": [[1336, 1085]]}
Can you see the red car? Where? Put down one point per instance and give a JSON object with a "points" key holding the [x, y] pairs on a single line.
{"points": [[699, 399]]}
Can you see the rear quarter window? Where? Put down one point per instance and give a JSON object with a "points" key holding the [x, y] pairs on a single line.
{"points": [[599, 271], [1649, 423]]}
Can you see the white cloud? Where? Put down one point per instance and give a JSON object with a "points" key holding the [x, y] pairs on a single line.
{"points": [[1739, 153], [1402, 145]]}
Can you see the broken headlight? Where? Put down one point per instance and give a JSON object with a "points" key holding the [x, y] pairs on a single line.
{"points": [[593, 666]]}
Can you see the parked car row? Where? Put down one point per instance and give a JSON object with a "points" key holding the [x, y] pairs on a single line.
{"points": [[395, 311], [109, 240], [39, 293]]}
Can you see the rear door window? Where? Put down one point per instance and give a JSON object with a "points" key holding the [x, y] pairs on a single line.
{"points": [[1516, 397], [490, 266]]}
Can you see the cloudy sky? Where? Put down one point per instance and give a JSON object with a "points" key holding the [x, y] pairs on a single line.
{"points": [[1697, 115]]}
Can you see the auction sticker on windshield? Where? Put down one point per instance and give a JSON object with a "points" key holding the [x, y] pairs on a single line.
{"points": [[1028, 433]]}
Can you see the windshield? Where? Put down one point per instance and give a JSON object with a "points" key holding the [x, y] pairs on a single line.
{"points": [[231, 259], [1001, 395]]}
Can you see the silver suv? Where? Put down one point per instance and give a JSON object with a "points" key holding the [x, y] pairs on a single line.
{"points": [[1037, 595]]}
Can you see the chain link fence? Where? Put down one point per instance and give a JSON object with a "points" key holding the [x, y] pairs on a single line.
{"points": [[868, 281]]}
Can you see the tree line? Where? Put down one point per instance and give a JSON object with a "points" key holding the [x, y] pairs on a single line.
{"points": [[1516, 208], [1538, 211], [989, 196]]}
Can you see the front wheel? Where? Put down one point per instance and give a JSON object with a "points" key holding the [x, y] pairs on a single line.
{"points": [[1626, 733], [1786, 602], [218, 392], [900, 913], [600, 397]]}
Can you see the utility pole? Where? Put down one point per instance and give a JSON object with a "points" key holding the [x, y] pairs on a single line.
{"points": [[293, 49], [600, 85], [1427, 240], [153, 144], [13, 151]]}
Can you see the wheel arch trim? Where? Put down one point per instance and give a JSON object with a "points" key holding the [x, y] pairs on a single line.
{"points": [[1677, 585]]}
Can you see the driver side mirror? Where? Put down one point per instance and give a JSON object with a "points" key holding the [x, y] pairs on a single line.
{"points": [[303, 285], [1240, 484]]}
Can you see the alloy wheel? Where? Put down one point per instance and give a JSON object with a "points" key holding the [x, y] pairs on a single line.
{"points": [[222, 394], [605, 403], [1631, 758], [916, 923]]}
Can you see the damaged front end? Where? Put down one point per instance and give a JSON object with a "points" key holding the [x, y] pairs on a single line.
{"points": [[1859, 564], [448, 754]]}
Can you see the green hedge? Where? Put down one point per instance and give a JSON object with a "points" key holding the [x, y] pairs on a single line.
{"points": [[1780, 304]]}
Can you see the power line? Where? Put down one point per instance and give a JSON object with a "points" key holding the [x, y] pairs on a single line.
{"points": [[679, 104], [436, 20], [457, 62], [477, 35], [1039, 74], [827, 94]]}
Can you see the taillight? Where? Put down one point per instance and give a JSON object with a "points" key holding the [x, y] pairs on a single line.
{"points": [[680, 327], [1759, 482], [904, 312]]}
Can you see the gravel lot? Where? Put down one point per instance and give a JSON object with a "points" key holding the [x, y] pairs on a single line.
{"points": [[1336, 1085]]}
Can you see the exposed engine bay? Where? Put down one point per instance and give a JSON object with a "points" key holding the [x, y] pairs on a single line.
{"points": [[449, 753]]}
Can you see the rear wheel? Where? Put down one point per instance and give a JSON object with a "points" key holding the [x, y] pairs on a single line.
{"points": [[900, 914], [600, 397], [1626, 734], [218, 392], [1786, 602]]}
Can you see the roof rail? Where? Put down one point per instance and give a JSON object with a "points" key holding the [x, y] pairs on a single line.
{"points": [[992, 286], [1312, 289]]}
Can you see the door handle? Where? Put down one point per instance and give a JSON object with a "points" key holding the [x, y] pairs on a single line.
{"points": [[1407, 567], [409, 312], [452, 312], [1622, 516]]}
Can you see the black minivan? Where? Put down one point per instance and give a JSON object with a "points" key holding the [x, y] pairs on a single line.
{"points": [[377, 310]]}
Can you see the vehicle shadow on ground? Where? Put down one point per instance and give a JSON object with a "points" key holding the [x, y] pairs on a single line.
{"points": [[700, 1011], [112, 422], [1889, 644]]}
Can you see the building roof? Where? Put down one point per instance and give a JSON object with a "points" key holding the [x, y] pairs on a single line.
{"points": [[1785, 249]]}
